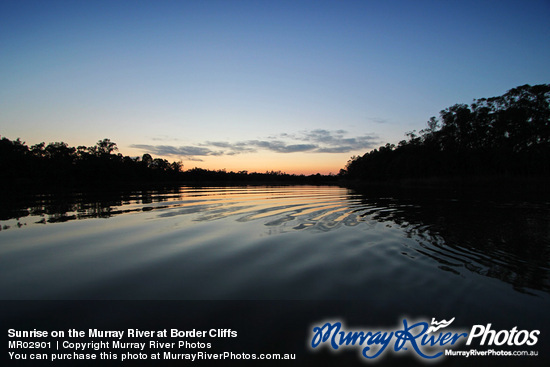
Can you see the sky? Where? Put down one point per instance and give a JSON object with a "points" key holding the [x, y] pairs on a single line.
{"points": [[292, 86]]}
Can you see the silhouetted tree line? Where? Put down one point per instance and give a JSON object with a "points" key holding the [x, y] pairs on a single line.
{"points": [[57, 163], [507, 135], [200, 175]]}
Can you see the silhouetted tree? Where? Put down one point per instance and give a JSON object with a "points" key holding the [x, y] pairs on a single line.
{"points": [[105, 147], [147, 159]]}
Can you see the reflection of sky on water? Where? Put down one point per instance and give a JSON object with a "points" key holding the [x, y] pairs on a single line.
{"points": [[292, 232]]}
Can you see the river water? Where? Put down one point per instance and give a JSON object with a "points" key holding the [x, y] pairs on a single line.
{"points": [[479, 259]]}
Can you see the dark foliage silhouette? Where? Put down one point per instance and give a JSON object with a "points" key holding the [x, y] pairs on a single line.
{"points": [[58, 164], [507, 135]]}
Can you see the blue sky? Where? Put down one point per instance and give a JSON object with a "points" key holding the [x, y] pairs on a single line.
{"points": [[296, 86]]}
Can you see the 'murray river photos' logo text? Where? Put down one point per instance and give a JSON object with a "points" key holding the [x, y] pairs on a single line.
{"points": [[426, 341]]}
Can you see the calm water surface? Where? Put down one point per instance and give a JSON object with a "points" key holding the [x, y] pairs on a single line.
{"points": [[285, 243]]}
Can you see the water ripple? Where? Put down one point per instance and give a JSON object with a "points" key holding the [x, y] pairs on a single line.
{"points": [[361, 233]]}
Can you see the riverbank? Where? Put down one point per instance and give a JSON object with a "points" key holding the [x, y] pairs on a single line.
{"points": [[489, 186]]}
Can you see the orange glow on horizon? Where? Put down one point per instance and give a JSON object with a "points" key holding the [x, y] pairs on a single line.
{"points": [[291, 163]]}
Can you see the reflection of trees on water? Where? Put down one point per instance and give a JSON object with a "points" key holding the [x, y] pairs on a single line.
{"points": [[509, 241], [66, 207], [506, 239]]}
